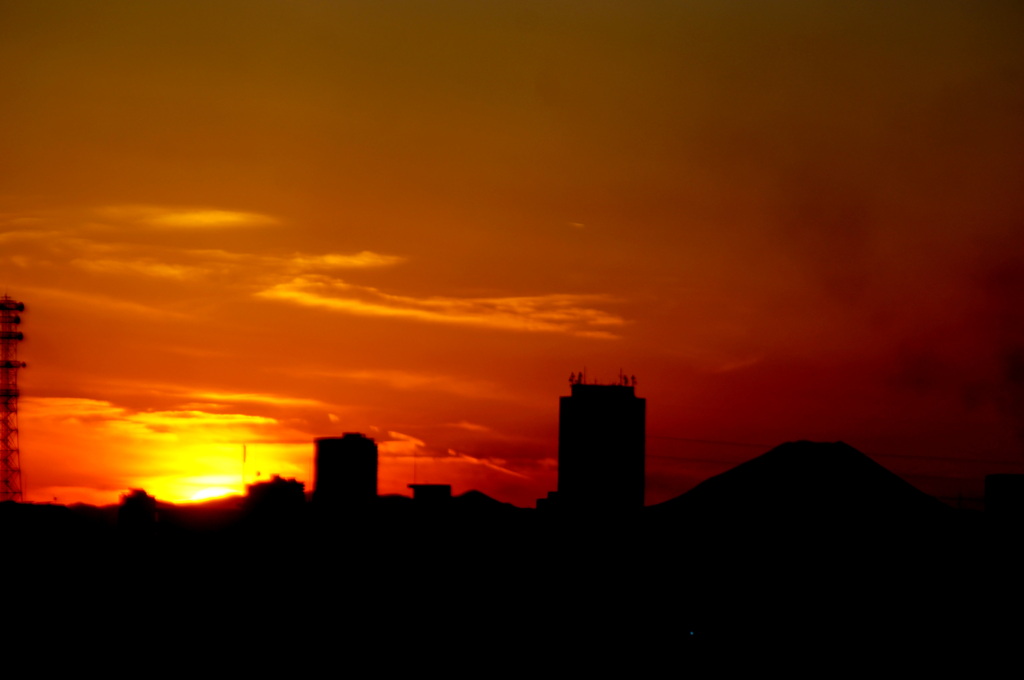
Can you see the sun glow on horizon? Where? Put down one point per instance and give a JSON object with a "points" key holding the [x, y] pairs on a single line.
{"points": [[212, 492], [176, 455]]}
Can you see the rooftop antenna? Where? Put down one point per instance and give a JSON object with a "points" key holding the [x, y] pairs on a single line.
{"points": [[10, 456]]}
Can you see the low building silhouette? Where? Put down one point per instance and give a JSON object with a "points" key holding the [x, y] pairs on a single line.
{"points": [[137, 512], [277, 498], [345, 471], [433, 495], [548, 504]]}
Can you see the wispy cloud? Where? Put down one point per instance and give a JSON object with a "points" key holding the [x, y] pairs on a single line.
{"points": [[552, 313], [102, 302], [186, 218], [362, 260], [489, 463], [417, 381], [163, 421], [124, 259], [184, 399], [70, 408], [472, 427], [305, 279], [255, 398], [172, 423], [402, 445], [28, 235], [142, 266]]}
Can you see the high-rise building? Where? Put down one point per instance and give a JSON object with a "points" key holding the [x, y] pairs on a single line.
{"points": [[601, 438], [346, 470]]}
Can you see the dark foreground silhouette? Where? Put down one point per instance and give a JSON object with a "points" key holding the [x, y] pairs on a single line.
{"points": [[810, 554]]}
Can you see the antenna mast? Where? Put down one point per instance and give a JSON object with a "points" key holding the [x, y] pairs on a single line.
{"points": [[10, 456]]}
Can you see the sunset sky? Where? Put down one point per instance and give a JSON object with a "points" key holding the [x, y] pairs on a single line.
{"points": [[258, 222]]}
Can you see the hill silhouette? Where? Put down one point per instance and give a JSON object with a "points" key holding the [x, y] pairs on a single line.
{"points": [[815, 544], [804, 483]]}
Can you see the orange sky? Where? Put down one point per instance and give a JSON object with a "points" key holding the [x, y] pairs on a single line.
{"points": [[263, 221]]}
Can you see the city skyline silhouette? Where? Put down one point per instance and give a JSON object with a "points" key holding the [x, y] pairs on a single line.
{"points": [[732, 566]]}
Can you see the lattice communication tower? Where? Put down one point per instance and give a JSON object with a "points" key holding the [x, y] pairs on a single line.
{"points": [[10, 457]]}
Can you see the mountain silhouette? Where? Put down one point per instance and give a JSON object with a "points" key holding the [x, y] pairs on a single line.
{"points": [[801, 483], [814, 543]]}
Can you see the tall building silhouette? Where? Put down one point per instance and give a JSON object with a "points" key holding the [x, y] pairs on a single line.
{"points": [[601, 437], [346, 471]]}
